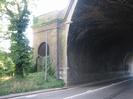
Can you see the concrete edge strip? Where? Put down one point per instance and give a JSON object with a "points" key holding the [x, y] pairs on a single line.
{"points": [[90, 91], [30, 93]]}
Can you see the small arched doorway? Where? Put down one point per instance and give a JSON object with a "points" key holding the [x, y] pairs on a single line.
{"points": [[43, 51]]}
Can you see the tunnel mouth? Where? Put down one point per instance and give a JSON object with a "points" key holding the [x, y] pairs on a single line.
{"points": [[99, 40]]}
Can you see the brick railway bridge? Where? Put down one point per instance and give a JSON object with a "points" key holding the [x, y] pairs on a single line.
{"points": [[96, 42]]}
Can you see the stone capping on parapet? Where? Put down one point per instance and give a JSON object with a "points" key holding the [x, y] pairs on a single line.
{"points": [[55, 19]]}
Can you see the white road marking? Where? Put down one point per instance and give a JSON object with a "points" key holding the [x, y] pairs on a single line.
{"points": [[90, 91], [16, 98], [29, 96]]}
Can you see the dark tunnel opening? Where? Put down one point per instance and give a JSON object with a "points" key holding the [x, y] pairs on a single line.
{"points": [[99, 39]]}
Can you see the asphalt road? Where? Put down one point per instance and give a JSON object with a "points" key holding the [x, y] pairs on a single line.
{"points": [[119, 89]]}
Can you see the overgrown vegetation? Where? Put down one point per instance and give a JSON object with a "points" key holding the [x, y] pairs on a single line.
{"points": [[20, 50], [17, 14], [33, 81], [38, 22], [6, 64]]}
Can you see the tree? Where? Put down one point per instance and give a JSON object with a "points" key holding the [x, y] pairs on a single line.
{"points": [[6, 64], [18, 15]]}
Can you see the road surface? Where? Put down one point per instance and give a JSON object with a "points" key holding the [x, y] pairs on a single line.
{"points": [[122, 89]]}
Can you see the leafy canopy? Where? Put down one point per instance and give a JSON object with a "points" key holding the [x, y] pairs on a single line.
{"points": [[17, 13]]}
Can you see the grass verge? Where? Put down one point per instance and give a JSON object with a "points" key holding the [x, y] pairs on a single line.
{"points": [[32, 82]]}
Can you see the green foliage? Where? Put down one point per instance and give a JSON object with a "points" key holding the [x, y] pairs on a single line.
{"points": [[39, 22], [6, 64], [33, 81], [18, 15], [50, 67]]}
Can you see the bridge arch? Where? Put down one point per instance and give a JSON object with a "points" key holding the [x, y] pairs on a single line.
{"points": [[99, 37]]}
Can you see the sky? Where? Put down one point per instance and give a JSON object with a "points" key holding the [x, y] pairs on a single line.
{"points": [[42, 7], [45, 6]]}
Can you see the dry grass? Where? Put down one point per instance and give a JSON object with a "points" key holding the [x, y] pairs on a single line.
{"points": [[32, 82], [5, 78]]}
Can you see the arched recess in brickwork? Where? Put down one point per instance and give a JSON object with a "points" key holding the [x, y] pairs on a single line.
{"points": [[42, 49]]}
